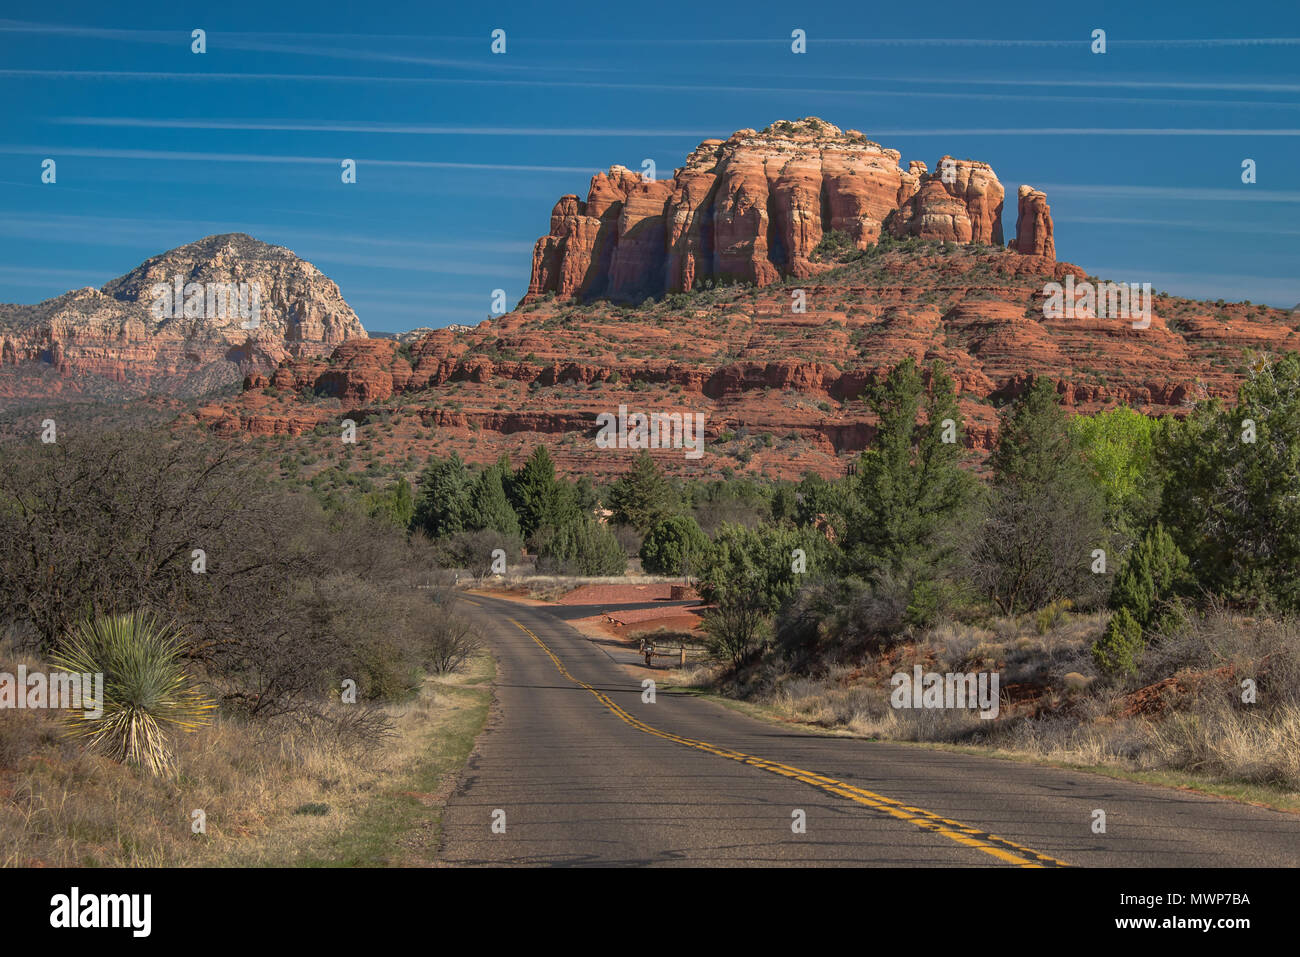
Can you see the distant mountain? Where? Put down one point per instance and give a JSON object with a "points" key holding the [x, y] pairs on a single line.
{"points": [[188, 322], [412, 335]]}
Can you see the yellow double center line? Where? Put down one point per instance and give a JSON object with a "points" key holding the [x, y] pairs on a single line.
{"points": [[999, 847]]}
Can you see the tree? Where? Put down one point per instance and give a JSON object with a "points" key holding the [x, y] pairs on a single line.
{"points": [[579, 546], [1119, 446], [641, 496], [673, 545], [911, 498], [748, 575], [737, 501], [106, 522], [539, 499], [488, 507], [444, 497], [819, 501], [1231, 502], [585, 497], [1045, 515], [476, 551], [766, 565], [395, 505]]}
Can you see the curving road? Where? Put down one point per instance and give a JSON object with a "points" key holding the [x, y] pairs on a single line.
{"points": [[575, 768]]}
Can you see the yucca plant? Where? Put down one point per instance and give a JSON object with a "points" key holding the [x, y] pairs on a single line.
{"points": [[147, 691]]}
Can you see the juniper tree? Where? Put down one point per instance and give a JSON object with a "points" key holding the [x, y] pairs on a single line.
{"points": [[1045, 513], [911, 499]]}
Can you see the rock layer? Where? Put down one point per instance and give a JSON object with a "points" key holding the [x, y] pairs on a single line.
{"points": [[782, 391]]}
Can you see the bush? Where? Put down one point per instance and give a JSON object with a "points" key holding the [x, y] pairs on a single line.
{"points": [[146, 693], [1120, 648], [734, 627], [452, 642], [673, 546], [1155, 571], [472, 551], [582, 546]]}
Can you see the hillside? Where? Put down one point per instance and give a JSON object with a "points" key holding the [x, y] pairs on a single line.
{"points": [[782, 391]]}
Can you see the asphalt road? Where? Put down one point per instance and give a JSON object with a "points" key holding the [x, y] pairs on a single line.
{"points": [[575, 768]]}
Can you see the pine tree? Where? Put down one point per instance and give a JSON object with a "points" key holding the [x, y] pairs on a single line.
{"points": [[538, 497], [1231, 501], [488, 506], [641, 496], [444, 497]]}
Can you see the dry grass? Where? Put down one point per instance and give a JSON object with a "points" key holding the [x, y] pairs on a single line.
{"points": [[270, 795], [1195, 723], [1242, 747], [555, 587]]}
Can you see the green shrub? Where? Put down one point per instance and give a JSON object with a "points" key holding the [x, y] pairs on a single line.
{"points": [[1120, 647], [581, 546], [1047, 617], [1153, 572], [673, 545]]}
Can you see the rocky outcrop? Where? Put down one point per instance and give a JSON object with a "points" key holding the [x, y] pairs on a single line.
{"points": [[186, 322], [1034, 224], [961, 201], [364, 370], [753, 208]]}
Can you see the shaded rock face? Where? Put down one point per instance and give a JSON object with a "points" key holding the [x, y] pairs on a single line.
{"points": [[1034, 224], [752, 208], [134, 335]]}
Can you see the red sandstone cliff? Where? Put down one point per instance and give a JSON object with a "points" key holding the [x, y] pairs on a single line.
{"points": [[752, 208]]}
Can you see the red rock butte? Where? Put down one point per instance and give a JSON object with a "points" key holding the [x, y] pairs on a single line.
{"points": [[676, 295], [752, 208]]}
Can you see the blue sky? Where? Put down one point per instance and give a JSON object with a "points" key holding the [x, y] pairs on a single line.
{"points": [[461, 153]]}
